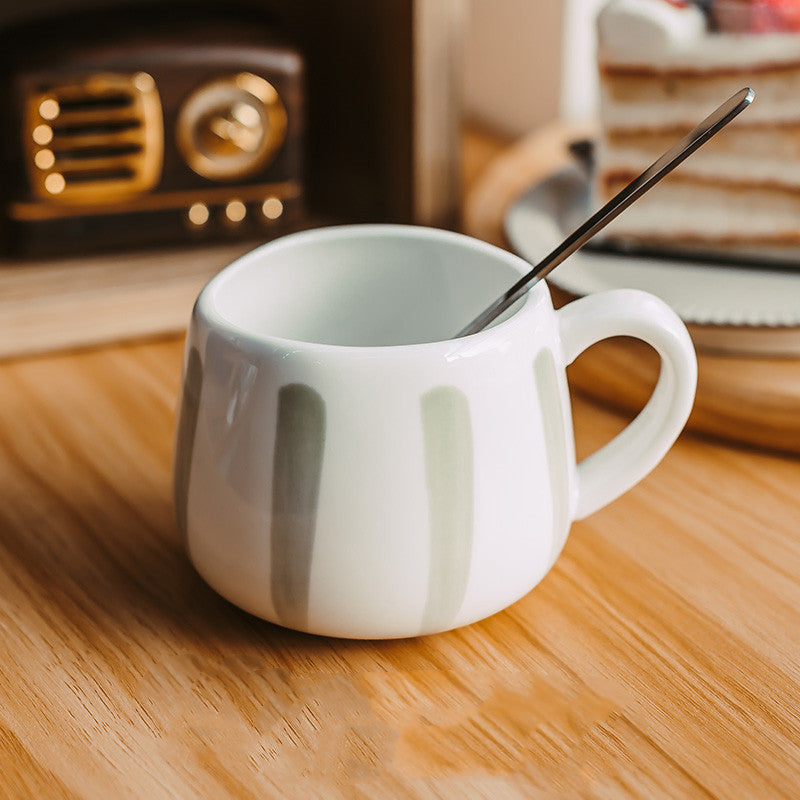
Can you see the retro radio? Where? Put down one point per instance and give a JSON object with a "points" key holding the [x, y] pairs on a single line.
{"points": [[142, 140]]}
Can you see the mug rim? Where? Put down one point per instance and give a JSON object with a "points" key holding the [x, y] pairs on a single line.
{"points": [[206, 307]]}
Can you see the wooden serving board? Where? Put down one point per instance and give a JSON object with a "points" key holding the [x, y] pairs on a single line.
{"points": [[742, 397]]}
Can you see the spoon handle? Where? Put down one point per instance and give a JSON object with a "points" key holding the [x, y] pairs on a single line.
{"points": [[697, 137]]}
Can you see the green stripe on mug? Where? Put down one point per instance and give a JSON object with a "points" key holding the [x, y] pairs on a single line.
{"points": [[555, 442], [447, 433], [297, 468], [184, 446]]}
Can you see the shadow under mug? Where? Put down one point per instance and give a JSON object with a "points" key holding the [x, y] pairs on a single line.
{"points": [[344, 467]]}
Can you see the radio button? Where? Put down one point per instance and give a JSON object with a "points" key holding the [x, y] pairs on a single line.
{"points": [[198, 214], [235, 211], [272, 208]]}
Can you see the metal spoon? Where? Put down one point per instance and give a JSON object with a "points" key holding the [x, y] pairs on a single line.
{"points": [[710, 126]]}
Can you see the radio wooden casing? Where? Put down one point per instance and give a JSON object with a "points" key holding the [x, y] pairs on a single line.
{"points": [[145, 140]]}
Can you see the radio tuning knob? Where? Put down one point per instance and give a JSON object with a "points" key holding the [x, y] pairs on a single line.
{"points": [[231, 127]]}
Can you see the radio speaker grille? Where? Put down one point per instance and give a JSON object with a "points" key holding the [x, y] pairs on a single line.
{"points": [[94, 140]]}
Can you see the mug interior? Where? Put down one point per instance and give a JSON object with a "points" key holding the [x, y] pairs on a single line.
{"points": [[364, 286]]}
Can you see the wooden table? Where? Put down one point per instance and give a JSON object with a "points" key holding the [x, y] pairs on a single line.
{"points": [[659, 658]]}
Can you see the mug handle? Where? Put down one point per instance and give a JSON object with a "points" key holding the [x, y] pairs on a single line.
{"points": [[633, 453]]}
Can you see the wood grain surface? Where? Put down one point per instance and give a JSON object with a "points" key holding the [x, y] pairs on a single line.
{"points": [[740, 396], [659, 658]]}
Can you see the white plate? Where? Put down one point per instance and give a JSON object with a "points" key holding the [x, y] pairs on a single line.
{"points": [[700, 292]]}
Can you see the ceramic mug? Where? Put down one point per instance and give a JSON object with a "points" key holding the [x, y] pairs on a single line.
{"points": [[343, 466]]}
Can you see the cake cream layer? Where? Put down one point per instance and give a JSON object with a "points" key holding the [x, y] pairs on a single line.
{"points": [[667, 37], [759, 154], [702, 51], [694, 210], [659, 66], [653, 99]]}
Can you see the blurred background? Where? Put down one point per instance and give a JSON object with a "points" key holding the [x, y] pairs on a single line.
{"points": [[529, 63]]}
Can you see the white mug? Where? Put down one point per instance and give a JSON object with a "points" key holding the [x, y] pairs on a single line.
{"points": [[343, 466]]}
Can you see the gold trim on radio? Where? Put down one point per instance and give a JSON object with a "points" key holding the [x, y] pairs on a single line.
{"points": [[94, 140], [164, 201]]}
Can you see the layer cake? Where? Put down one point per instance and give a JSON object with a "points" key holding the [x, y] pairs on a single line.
{"points": [[664, 65]]}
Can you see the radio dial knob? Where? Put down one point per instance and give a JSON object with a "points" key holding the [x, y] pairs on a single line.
{"points": [[232, 127]]}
